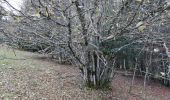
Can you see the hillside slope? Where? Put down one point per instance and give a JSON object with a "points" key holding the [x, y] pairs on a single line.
{"points": [[29, 76]]}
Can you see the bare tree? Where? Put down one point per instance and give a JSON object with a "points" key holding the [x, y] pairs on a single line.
{"points": [[75, 29]]}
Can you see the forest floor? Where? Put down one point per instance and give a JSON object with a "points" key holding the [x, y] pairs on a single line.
{"points": [[30, 76]]}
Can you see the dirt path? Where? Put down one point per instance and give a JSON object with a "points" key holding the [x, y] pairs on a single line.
{"points": [[30, 77]]}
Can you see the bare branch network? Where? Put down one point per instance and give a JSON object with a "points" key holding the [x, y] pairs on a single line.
{"points": [[93, 34]]}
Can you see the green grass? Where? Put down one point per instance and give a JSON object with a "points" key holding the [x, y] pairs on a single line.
{"points": [[8, 58], [4, 55], [17, 60]]}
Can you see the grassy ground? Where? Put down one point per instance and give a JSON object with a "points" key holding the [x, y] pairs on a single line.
{"points": [[29, 76]]}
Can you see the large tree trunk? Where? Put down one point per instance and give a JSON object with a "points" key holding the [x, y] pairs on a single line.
{"points": [[97, 73]]}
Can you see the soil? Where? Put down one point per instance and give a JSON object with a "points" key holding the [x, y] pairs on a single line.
{"points": [[34, 77]]}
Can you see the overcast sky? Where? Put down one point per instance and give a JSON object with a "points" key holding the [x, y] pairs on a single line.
{"points": [[15, 3], [19, 3]]}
